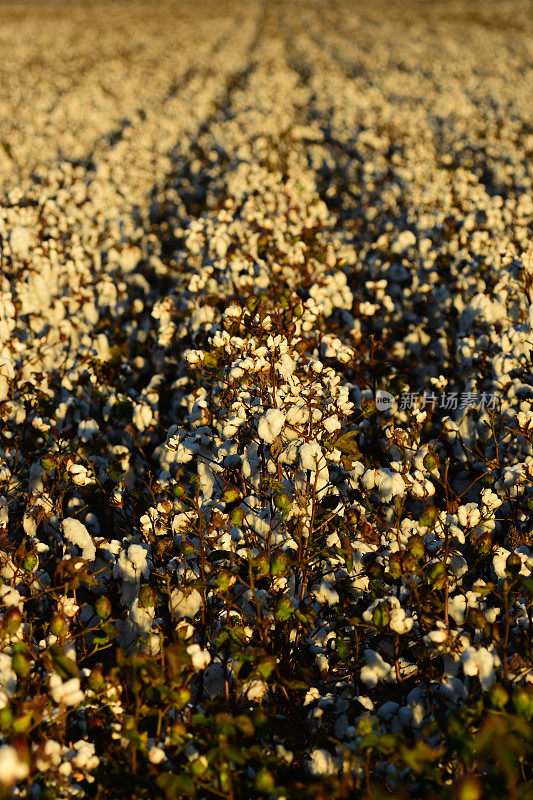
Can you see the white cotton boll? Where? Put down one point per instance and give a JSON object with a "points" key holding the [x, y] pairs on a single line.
{"points": [[399, 622], [298, 415], [256, 690], [77, 534], [453, 689], [51, 756], [437, 636], [311, 456], [321, 763], [286, 366], [87, 428], [457, 608], [322, 662], [312, 695], [332, 424], [368, 479], [270, 425], [207, 480], [12, 769], [143, 416], [325, 594], [65, 769], [498, 561], [284, 754], [200, 658], [185, 603], [140, 618], [85, 757], [156, 755], [389, 484], [8, 677], [481, 663], [10, 596], [490, 499], [376, 669], [67, 693], [388, 710], [138, 556], [21, 240]]}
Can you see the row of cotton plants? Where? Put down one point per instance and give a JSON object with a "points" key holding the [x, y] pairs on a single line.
{"points": [[266, 439]]}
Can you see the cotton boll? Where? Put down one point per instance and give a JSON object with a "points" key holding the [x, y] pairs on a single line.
{"points": [[85, 757], [156, 755], [479, 662], [270, 425], [185, 603], [200, 658], [67, 693], [256, 691], [10, 596], [457, 608], [77, 534], [87, 429], [389, 484], [8, 677], [12, 768], [375, 669], [285, 366], [311, 456], [399, 622], [325, 594], [321, 763]]}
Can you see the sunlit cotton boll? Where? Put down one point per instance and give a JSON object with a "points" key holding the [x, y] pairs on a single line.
{"points": [[185, 603], [12, 768], [270, 425], [66, 693], [481, 663], [321, 763], [77, 534], [200, 658]]}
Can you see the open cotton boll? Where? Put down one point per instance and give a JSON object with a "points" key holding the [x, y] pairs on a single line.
{"points": [[67, 693], [389, 484], [375, 669], [12, 768], [399, 621], [285, 366], [256, 690], [214, 679], [325, 594], [10, 596], [85, 757], [200, 658], [321, 763], [77, 534], [131, 564], [156, 755], [87, 428], [185, 603], [8, 677], [270, 425], [311, 456], [481, 663]]}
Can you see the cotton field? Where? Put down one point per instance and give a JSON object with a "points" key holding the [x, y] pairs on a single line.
{"points": [[266, 420]]}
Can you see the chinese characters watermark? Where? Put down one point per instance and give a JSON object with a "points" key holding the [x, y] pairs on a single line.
{"points": [[448, 401]]}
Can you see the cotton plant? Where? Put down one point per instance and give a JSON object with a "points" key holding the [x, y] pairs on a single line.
{"points": [[211, 533]]}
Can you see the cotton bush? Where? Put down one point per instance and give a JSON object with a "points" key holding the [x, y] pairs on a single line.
{"points": [[266, 433]]}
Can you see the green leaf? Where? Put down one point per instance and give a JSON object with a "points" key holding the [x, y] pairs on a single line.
{"points": [[347, 444], [175, 786]]}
